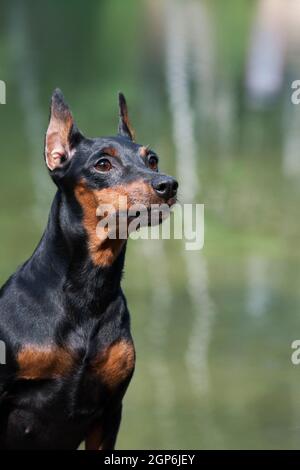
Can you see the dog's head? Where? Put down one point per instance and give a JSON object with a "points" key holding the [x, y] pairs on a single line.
{"points": [[106, 171], [108, 166]]}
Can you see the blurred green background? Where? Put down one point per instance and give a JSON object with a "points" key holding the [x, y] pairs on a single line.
{"points": [[209, 87]]}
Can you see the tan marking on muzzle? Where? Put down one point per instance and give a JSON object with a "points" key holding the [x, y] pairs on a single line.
{"points": [[104, 251]]}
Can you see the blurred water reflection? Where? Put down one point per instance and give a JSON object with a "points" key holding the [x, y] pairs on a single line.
{"points": [[213, 329]]}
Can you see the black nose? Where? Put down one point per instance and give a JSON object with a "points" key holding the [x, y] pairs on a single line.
{"points": [[165, 186]]}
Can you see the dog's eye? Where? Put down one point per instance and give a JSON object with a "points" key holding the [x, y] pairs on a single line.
{"points": [[103, 165], [153, 162]]}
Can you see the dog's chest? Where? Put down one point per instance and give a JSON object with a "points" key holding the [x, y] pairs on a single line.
{"points": [[110, 366], [114, 364], [102, 377]]}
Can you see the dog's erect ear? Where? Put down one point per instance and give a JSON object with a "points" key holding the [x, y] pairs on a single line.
{"points": [[125, 128], [62, 134]]}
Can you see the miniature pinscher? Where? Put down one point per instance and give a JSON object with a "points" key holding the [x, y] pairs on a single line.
{"points": [[63, 315]]}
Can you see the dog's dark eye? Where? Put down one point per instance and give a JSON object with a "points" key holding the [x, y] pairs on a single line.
{"points": [[153, 162], [103, 165]]}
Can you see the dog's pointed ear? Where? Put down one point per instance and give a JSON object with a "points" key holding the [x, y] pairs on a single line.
{"points": [[62, 135], [125, 128]]}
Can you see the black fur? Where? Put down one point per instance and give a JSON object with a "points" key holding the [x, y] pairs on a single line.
{"points": [[60, 297]]}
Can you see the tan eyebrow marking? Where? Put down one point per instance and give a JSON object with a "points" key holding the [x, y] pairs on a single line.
{"points": [[144, 151], [110, 151]]}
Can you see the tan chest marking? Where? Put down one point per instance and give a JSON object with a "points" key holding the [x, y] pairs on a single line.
{"points": [[115, 364], [43, 362]]}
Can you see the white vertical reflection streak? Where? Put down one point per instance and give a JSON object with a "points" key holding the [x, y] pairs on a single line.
{"points": [[177, 28], [258, 292], [159, 323], [25, 74]]}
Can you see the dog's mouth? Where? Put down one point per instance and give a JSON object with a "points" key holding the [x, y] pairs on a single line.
{"points": [[130, 215], [119, 224], [145, 216]]}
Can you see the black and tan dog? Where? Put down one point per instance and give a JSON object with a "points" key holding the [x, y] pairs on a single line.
{"points": [[63, 315]]}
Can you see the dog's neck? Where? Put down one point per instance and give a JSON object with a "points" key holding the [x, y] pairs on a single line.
{"points": [[64, 251]]}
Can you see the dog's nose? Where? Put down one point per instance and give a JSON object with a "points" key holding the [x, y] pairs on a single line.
{"points": [[165, 186]]}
